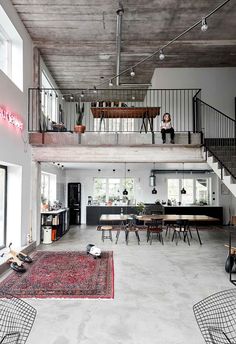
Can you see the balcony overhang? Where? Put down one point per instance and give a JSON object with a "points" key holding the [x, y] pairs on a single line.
{"points": [[137, 153]]}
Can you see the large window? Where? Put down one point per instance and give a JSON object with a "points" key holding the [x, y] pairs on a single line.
{"points": [[48, 188], [11, 50], [3, 186], [111, 190], [49, 101], [197, 191]]}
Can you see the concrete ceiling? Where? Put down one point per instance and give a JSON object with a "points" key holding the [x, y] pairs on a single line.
{"points": [[77, 38]]}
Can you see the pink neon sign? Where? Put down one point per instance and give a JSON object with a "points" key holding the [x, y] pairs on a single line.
{"points": [[11, 118]]}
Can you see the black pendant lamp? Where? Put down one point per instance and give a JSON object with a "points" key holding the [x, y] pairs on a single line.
{"points": [[154, 191], [152, 180], [183, 191], [125, 192]]}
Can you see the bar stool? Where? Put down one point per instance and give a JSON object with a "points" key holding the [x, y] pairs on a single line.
{"points": [[106, 235]]}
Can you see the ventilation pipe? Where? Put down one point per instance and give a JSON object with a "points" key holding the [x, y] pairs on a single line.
{"points": [[119, 13]]}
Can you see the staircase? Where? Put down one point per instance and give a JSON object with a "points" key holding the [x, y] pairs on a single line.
{"points": [[219, 140]]}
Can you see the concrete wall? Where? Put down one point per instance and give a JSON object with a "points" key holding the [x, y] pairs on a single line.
{"points": [[142, 189], [14, 149], [218, 84]]}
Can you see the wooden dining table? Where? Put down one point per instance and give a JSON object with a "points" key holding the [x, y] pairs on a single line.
{"points": [[117, 219], [172, 218]]}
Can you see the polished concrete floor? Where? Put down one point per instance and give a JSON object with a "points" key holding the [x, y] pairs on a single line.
{"points": [[155, 289]]}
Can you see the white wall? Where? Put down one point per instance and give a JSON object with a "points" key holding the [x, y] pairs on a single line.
{"points": [[142, 189], [218, 84], [14, 149]]}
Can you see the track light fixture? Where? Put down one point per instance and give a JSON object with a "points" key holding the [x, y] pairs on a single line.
{"points": [[95, 89], [132, 72], [110, 83], [62, 98], [82, 94], [204, 26], [71, 97], [161, 55]]}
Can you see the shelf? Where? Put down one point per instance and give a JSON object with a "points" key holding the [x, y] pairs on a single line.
{"points": [[125, 112]]}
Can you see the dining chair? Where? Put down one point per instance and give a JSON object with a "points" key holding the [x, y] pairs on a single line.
{"points": [[16, 319], [154, 227], [181, 227], [216, 317]]}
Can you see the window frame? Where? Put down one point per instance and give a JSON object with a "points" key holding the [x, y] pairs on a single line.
{"points": [[8, 63], [180, 185], [5, 209]]}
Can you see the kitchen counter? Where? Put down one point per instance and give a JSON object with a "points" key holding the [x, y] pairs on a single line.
{"points": [[94, 212]]}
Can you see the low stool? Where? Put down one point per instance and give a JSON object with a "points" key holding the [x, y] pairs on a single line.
{"points": [[106, 235]]}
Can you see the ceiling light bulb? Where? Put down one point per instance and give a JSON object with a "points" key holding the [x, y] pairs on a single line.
{"points": [[62, 98], [94, 89], [154, 191], [82, 94], [72, 97], [133, 97], [110, 83], [161, 55], [132, 73], [204, 26]]}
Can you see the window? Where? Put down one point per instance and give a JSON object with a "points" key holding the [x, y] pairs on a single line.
{"points": [[111, 190], [114, 124], [49, 100], [197, 191], [11, 50], [48, 188], [3, 195], [5, 52]]}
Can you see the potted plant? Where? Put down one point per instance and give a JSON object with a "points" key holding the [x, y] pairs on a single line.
{"points": [[79, 127], [140, 208]]}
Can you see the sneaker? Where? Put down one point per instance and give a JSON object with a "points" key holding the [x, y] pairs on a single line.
{"points": [[172, 141]]}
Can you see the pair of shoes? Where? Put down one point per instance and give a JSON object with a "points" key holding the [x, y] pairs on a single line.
{"points": [[172, 141], [164, 141]]}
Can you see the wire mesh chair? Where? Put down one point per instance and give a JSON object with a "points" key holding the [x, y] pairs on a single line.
{"points": [[16, 319], [216, 317]]}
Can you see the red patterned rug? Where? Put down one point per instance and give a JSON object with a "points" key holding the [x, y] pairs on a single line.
{"points": [[67, 274]]}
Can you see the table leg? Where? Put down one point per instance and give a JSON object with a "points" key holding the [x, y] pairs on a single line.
{"points": [[117, 235], [198, 236]]}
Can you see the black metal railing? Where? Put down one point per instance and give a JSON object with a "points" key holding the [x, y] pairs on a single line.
{"points": [[219, 134], [55, 109]]}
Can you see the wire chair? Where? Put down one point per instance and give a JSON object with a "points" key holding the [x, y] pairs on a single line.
{"points": [[16, 319], [216, 317]]}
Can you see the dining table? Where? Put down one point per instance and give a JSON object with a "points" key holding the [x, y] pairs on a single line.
{"points": [[173, 218], [118, 219]]}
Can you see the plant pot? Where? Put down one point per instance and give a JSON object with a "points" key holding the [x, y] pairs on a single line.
{"points": [[79, 129]]}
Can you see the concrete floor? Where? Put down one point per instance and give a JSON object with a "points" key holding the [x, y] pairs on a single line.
{"points": [[155, 289]]}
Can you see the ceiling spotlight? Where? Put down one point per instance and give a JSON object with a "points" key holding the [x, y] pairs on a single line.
{"points": [[132, 73], [71, 97], [82, 94], [204, 26], [110, 83], [62, 98], [62, 167], [133, 97], [94, 89], [154, 191], [161, 55]]}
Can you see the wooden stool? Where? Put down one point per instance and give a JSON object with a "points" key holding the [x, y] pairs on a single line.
{"points": [[104, 229]]}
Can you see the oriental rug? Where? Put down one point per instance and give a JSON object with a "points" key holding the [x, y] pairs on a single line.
{"points": [[63, 274]]}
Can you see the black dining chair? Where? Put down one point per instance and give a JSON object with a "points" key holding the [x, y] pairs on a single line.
{"points": [[181, 227], [16, 319], [216, 317]]}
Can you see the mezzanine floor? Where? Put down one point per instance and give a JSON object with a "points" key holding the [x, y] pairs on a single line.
{"points": [[155, 289]]}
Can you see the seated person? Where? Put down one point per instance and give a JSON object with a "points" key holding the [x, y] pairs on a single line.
{"points": [[166, 127]]}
